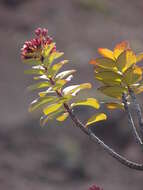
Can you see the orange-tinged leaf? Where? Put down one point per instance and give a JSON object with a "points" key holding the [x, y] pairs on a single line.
{"points": [[119, 48], [104, 62], [106, 53], [139, 57], [114, 105], [96, 118], [132, 75], [109, 77], [126, 60], [112, 91]]}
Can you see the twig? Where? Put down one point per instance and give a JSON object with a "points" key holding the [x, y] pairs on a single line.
{"points": [[130, 121], [88, 132], [110, 151], [138, 110]]}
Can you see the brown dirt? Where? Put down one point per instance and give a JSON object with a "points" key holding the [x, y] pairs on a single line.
{"points": [[61, 157]]}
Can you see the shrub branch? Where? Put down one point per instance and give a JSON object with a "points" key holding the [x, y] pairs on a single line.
{"points": [[130, 121], [138, 110]]}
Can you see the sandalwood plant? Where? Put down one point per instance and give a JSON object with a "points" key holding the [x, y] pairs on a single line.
{"points": [[117, 71]]}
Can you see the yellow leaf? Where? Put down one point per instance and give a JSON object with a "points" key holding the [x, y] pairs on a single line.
{"points": [[113, 105], [132, 75], [62, 117], [52, 108], [104, 62], [39, 85], [88, 102], [119, 48], [112, 91], [106, 53], [44, 119], [139, 57], [109, 77], [126, 60], [96, 118]]}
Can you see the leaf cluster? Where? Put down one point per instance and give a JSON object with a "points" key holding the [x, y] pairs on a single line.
{"points": [[118, 72], [53, 96]]}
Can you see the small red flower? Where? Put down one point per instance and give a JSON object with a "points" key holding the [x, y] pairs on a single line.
{"points": [[33, 48], [94, 187]]}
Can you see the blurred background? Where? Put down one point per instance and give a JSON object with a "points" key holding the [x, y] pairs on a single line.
{"points": [[59, 156]]}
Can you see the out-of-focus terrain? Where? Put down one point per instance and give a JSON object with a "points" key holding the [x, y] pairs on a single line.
{"points": [[60, 157]]}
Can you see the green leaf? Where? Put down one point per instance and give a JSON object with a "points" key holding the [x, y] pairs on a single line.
{"points": [[56, 67], [42, 84], [113, 91], [104, 62], [47, 49], [38, 103], [109, 77], [46, 92], [62, 117], [34, 72], [132, 75], [96, 118], [55, 55], [64, 74], [52, 108], [88, 102], [32, 61], [126, 60]]}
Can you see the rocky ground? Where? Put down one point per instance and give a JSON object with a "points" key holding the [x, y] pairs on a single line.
{"points": [[61, 157]]}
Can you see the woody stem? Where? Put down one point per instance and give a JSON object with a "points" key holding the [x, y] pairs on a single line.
{"points": [[94, 138]]}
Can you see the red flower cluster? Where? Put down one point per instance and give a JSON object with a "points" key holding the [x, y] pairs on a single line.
{"points": [[33, 48], [94, 187]]}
